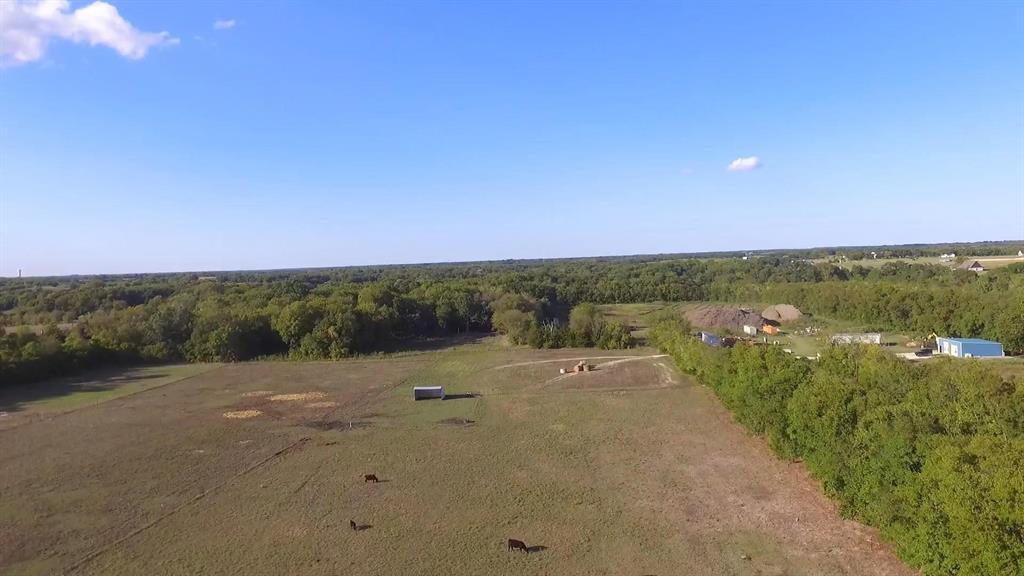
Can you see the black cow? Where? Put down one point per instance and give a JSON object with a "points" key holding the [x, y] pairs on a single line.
{"points": [[517, 545]]}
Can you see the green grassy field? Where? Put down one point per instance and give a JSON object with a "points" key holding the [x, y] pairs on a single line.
{"points": [[1008, 367], [629, 469], [64, 394]]}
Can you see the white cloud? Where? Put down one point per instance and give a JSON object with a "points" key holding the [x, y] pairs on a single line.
{"points": [[26, 27], [223, 24], [745, 164]]}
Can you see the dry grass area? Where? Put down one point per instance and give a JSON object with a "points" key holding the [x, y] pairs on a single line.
{"points": [[629, 469], [998, 261]]}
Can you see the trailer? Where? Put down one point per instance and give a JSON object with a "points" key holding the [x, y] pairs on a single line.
{"points": [[428, 392]]}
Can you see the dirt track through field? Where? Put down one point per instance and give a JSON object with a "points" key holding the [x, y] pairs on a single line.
{"points": [[582, 358]]}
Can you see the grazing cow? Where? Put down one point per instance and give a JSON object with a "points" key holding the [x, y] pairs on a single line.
{"points": [[353, 524], [517, 545], [370, 478]]}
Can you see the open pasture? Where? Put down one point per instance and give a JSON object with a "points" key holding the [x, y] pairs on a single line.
{"points": [[258, 468]]}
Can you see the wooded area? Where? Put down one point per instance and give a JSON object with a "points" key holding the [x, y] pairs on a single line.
{"points": [[932, 454], [66, 324]]}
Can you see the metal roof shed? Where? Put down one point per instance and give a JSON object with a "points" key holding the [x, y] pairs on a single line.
{"points": [[968, 347], [427, 392]]}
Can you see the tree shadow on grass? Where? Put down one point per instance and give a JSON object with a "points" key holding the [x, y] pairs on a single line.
{"points": [[421, 344], [14, 398]]}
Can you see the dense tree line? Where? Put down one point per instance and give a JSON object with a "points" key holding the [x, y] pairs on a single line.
{"points": [[37, 301], [76, 322], [224, 322], [931, 454]]}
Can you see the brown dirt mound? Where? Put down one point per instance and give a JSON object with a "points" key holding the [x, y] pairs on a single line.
{"points": [[724, 318], [242, 414], [782, 313], [298, 397]]}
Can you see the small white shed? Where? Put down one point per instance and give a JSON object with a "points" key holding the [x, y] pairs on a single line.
{"points": [[750, 330], [428, 392]]}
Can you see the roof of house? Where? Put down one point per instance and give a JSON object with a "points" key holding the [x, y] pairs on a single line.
{"points": [[970, 340], [968, 264]]}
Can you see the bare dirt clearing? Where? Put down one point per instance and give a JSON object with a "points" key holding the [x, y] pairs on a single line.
{"points": [[647, 476]]}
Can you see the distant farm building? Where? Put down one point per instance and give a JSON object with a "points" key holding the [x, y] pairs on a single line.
{"points": [[750, 330], [710, 339], [972, 265], [428, 392], [968, 347], [770, 330], [857, 338]]}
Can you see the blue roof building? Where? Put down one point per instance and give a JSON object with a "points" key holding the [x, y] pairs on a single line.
{"points": [[968, 347]]}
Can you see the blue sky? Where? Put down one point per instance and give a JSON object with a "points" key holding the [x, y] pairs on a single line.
{"points": [[320, 134]]}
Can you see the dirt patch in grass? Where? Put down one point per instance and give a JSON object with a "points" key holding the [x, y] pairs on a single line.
{"points": [[781, 313], [258, 393], [299, 397], [723, 318], [242, 414]]}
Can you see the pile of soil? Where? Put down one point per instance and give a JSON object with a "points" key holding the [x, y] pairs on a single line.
{"points": [[781, 313], [723, 318]]}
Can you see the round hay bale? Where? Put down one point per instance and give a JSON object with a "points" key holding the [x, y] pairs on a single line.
{"points": [[242, 414]]}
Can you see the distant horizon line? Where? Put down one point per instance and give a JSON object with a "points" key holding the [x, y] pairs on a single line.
{"points": [[658, 255]]}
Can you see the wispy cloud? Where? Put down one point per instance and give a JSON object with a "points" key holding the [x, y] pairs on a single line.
{"points": [[223, 24], [26, 27], [745, 164]]}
